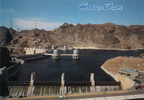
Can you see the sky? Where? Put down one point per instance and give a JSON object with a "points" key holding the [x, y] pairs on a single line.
{"points": [[50, 14]]}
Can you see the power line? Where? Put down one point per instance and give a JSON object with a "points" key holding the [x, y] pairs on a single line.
{"points": [[11, 22], [124, 62], [36, 24]]}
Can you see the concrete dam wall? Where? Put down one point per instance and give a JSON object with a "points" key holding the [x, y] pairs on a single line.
{"points": [[34, 50]]}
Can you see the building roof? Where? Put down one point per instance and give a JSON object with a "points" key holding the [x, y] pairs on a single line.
{"points": [[128, 70]]}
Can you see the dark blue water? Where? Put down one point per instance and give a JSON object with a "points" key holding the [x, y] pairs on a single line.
{"points": [[90, 61]]}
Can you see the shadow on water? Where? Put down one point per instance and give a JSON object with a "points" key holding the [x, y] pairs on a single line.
{"points": [[90, 61]]}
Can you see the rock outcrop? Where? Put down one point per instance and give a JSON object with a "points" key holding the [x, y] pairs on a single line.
{"points": [[6, 36]]}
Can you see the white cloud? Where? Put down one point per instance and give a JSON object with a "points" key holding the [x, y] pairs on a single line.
{"points": [[6, 11], [30, 23]]}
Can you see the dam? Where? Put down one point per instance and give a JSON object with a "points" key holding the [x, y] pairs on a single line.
{"points": [[77, 75], [55, 54]]}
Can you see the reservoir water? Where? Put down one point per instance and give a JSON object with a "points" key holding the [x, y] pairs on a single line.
{"points": [[90, 61]]}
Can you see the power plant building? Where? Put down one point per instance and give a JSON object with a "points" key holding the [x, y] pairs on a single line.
{"points": [[128, 72]]}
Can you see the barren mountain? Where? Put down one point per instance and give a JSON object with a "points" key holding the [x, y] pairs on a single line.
{"points": [[107, 35], [103, 35], [35, 38]]}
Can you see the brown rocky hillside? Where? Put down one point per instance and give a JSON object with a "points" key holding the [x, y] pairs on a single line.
{"points": [[37, 38], [107, 35], [103, 35]]}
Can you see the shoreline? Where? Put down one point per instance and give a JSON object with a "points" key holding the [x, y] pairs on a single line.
{"points": [[109, 73], [95, 48], [32, 57]]}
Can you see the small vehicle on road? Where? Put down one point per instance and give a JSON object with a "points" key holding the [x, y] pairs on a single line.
{"points": [[63, 97]]}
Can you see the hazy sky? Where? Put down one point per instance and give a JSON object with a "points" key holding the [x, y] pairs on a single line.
{"points": [[50, 14]]}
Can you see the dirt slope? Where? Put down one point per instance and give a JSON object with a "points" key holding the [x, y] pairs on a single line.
{"points": [[114, 64]]}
